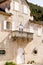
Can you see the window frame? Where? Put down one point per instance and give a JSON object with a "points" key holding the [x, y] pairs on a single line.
{"points": [[8, 28], [5, 25], [25, 9], [16, 6]]}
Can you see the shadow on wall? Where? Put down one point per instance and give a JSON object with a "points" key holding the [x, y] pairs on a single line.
{"points": [[22, 42]]}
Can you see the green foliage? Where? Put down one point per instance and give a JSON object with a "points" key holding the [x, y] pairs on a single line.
{"points": [[10, 63], [36, 12], [1, 1]]}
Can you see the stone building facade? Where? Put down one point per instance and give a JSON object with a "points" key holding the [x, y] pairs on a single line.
{"points": [[21, 40]]}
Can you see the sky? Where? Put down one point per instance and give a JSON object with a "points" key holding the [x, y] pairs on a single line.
{"points": [[38, 2]]}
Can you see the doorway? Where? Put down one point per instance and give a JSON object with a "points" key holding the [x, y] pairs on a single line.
{"points": [[20, 56]]}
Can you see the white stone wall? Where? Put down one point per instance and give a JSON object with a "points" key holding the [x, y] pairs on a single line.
{"points": [[11, 47]]}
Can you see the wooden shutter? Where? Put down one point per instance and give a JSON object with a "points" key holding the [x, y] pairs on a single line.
{"points": [[5, 24], [13, 26]]}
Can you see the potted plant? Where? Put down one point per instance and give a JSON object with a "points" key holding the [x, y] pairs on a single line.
{"points": [[31, 62], [10, 63]]}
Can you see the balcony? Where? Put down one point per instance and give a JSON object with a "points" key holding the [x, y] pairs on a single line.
{"points": [[22, 34]]}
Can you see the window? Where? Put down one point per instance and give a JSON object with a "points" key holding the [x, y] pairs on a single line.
{"points": [[35, 51], [25, 9], [2, 52], [39, 31], [16, 6], [31, 29], [8, 24]]}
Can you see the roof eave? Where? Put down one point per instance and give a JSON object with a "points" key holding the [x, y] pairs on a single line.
{"points": [[4, 13]]}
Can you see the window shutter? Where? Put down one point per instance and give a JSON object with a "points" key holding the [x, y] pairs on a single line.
{"points": [[5, 24], [13, 26], [39, 31]]}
